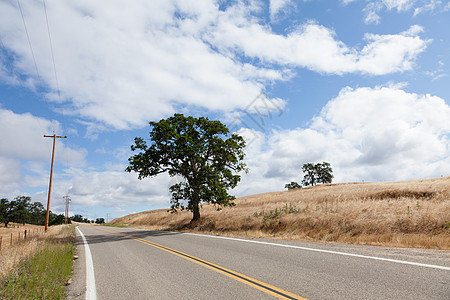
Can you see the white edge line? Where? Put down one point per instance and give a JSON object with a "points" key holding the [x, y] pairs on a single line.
{"points": [[91, 292], [326, 251]]}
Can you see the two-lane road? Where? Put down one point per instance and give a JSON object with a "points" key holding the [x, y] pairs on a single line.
{"points": [[144, 264]]}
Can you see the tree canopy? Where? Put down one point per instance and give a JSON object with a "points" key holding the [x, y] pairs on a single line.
{"points": [[292, 186], [317, 173], [202, 151], [22, 210]]}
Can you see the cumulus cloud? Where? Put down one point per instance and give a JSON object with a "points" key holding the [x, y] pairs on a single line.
{"points": [[123, 66], [9, 176], [25, 153], [23, 138], [131, 63], [316, 47], [372, 134], [118, 189]]}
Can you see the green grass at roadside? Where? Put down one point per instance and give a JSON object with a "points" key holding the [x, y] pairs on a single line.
{"points": [[43, 275], [114, 225]]}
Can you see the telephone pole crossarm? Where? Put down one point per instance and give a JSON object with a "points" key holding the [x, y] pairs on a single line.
{"points": [[54, 136], [57, 136]]}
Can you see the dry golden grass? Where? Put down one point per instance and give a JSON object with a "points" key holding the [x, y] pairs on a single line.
{"points": [[406, 214], [12, 254]]}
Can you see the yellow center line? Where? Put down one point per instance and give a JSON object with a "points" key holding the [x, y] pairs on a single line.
{"points": [[260, 285]]}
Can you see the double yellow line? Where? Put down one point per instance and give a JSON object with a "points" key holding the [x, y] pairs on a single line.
{"points": [[260, 285]]}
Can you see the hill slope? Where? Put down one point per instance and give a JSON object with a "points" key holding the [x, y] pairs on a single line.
{"points": [[409, 213]]}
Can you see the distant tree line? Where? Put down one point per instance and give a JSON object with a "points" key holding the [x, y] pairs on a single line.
{"points": [[81, 219], [22, 210], [313, 174]]}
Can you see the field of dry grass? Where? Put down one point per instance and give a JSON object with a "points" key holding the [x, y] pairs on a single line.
{"points": [[20, 248], [405, 214]]}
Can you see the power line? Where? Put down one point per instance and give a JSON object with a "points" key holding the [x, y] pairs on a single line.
{"points": [[51, 49], [29, 42], [56, 74]]}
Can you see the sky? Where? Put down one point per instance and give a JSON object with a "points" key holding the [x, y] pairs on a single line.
{"points": [[363, 85]]}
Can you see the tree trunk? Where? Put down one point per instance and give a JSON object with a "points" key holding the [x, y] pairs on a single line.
{"points": [[196, 213]]}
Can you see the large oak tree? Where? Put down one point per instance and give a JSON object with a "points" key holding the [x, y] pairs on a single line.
{"points": [[202, 151]]}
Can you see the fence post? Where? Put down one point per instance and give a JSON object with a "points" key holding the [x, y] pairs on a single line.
{"points": [[10, 242], [1, 238]]}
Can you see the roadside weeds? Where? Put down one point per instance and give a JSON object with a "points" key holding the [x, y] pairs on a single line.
{"points": [[40, 267]]}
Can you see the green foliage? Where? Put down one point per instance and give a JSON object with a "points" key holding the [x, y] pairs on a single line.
{"points": [[54, 219], [77, 218], [21, 210], [100, 221], [324, 172], [43, 276], [203, 152], [317, 173], [5, 211], [80, 218], [292, 186], [37, 213]]}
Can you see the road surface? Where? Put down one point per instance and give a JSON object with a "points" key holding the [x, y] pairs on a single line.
{"points": [[145, 264]]}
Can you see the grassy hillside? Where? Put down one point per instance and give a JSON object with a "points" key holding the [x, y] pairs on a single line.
{"points": [[409, 214]]}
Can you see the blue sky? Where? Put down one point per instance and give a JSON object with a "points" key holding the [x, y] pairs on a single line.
{"points": [[361, 84]]}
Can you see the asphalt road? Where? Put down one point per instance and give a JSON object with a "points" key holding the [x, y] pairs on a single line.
{"points": [[143, 264]]}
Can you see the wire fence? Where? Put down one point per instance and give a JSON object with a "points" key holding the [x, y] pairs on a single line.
{"points": [[10, 236]]}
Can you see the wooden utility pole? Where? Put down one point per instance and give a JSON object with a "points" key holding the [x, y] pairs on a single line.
{"points": [[67, 208], [54, 136]]}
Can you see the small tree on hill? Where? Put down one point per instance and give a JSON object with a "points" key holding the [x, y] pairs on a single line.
{"points": [[324, 172], [309, 174], [203, 152], [292, 186], [317, 173]]}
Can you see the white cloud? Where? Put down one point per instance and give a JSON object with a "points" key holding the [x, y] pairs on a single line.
{"points": [[371, 134], [315, 47], [125, 65], [22, 137], [118, 189], [373, 8], [128, 64], [25, 154], [278, 6], [372, 16], [400, 5], [346, 2], [9, 177], [433, 5]]}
